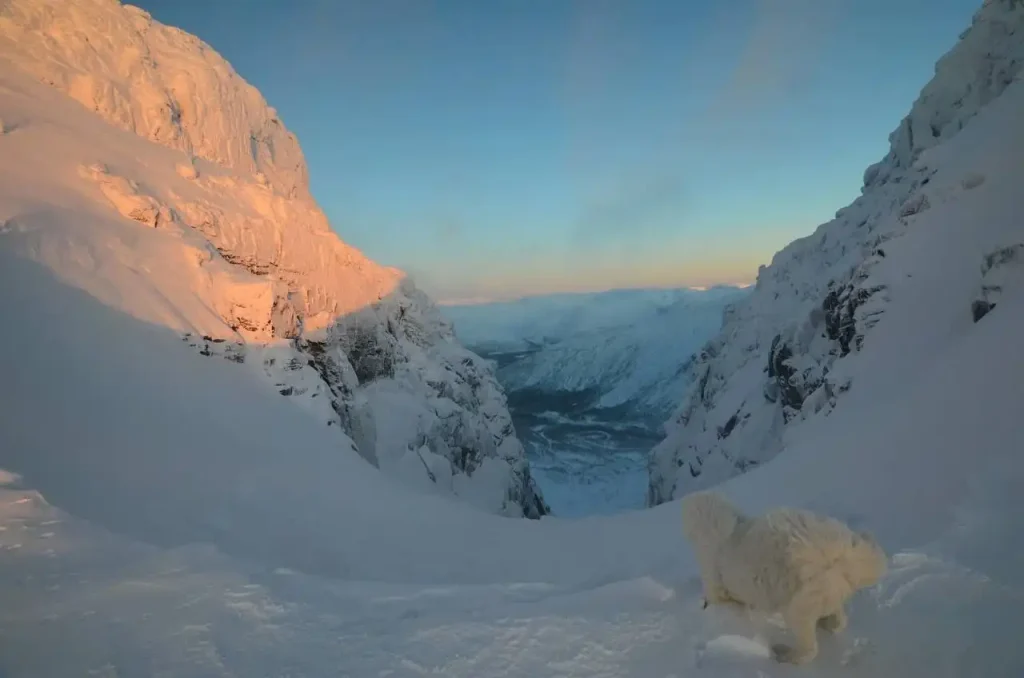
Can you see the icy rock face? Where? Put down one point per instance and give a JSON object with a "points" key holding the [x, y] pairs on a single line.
{"points": [[416, 403], [783, 354], [228, 205]]}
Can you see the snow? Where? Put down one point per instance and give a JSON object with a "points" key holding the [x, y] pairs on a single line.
{"points": [[900, 266], [627, 347], [587, 466], [162, 513], [423, 585], [154, 80], [140, 168], [520, 324]]}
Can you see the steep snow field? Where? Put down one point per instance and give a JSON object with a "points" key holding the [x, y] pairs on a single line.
{"points": [[934, 238], [622, 347], [590, 379], [166, 513]]}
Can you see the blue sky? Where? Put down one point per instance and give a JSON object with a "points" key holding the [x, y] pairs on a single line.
{"points": [[496, 148]]}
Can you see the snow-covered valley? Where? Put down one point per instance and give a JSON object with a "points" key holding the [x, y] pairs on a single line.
{"points": [[590, 379], [584, 465], [617, 354], [231, 445]]}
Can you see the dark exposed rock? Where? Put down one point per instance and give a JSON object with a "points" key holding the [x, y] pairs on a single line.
{"points": [[526, 495], [1002, 256], [332, 375], [702, 386], [790, 395], [980, 308], [998, 268], [370, 350], [915, 205], [726, 429], [840, 306]]}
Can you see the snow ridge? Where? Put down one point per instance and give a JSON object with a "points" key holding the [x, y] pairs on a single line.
{"points": [[157, 81], [170, 190], [787, 353]]}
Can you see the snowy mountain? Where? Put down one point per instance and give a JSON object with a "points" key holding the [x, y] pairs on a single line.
{"points": [[629, 348], [172, 518], [910, 266], [138, 167]]}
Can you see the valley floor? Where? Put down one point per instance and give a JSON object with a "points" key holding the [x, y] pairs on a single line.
{"points": [[586, 466]]}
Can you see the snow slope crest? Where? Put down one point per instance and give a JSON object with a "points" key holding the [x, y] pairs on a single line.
{"points": [[789, 353], [155, 80], [139, 167]]}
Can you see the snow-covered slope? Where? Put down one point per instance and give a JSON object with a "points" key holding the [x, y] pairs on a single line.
{"points": [[935, 236], [423, 586], [136, 165], [134, 453], [622, 347]]}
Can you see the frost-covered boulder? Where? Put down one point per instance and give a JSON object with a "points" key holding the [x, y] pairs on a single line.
{"points": [[178, 197], [785, 354], [1002, 273]]}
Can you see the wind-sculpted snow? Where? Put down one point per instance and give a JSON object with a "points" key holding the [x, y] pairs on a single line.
{"points": [[138, 166], [788, 353]]}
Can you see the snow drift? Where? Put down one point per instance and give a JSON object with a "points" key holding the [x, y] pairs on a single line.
{"points": [[931, 241], [139, 167]]}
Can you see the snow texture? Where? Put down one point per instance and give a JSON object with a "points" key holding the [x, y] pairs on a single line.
{"points": [[165, 515], [348, 573], [899, 260], [629, 348], [150, 175]]}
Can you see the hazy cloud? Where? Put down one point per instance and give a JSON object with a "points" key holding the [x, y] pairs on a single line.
{"points": [[591, 61], [632, 211], [784, 47], [449, 229], [403, 31]]}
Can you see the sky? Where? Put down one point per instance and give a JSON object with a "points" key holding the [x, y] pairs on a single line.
{"points": [[501, 148]]}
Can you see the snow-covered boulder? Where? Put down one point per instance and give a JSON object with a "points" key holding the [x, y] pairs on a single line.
{"points": [[788, 353], [1002, 272], [146, 172]]}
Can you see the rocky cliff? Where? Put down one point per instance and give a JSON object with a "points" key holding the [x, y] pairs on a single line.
{"points": [[151, 175]]}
